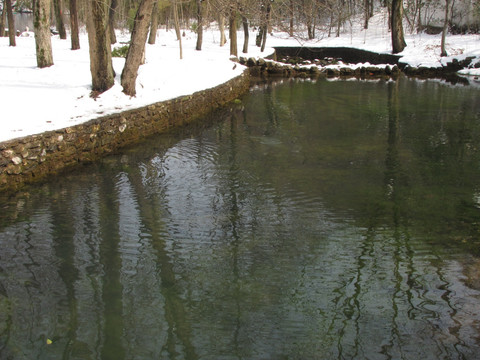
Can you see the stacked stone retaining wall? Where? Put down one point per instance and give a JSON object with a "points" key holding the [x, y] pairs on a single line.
{"points": [[32, 158]]}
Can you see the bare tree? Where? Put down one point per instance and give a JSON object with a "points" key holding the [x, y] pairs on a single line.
{"points": [[445, 29], [292, 17], [398, 39], [232, 32], [177, 26], [41, 25], [153, 25], [11, 23], [199, 24], [74, 25], [137, 46], [265, 22], [221, 26], [101, 67], [367, 12], [60, 24], [3, 19], [111, 20], [246, 34]]}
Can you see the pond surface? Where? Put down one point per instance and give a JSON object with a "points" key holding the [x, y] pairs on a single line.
{"points": [[327, 220]]}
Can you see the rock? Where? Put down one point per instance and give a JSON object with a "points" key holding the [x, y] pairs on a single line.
{"points": [[17, 160]]}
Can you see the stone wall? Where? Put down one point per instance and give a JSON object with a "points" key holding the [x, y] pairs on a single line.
{"points": [[32, 158]]}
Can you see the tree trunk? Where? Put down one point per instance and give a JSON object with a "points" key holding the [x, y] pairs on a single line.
{"points": [[41, 25], [177, 27], [111, 21], [292, 14], [445, 29], [3, 19], [265, 26], [309, 29], [221, 25], [246, 34], [137, 46], [398, 40], [11, 23], [199, 25], [233, 32], [259, 37], [176, 21], [60, 24], [366, 13], [153, 25], [74, 25], [101, 68]]}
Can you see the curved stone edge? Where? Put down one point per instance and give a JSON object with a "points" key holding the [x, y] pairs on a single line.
{"points": [[33, 158], [381, 65]]}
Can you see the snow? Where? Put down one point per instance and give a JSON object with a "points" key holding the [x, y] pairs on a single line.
{"points": [[35, 100]]}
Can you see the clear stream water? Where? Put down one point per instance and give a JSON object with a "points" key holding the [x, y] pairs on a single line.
{"points": [[315, 220]]}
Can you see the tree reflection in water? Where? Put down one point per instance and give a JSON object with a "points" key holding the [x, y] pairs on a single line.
{"points": [[317, 220]]}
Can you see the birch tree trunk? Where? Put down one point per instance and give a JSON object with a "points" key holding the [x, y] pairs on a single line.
{"points": [[41, 27], [137, 46], [101, 68]]}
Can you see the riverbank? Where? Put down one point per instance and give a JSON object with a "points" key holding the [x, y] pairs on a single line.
{"points": [[34, 157], [44, 108], [38, 100]]}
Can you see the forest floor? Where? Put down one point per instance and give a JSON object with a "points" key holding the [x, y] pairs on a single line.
{"points": [[35, 100]]}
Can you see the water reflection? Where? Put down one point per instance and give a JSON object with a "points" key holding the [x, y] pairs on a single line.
{"points": [[317, 220]]}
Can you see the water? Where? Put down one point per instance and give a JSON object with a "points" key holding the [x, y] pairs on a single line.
{"points": [[327, 220]]}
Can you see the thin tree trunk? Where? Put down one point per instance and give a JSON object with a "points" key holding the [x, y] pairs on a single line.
{"points": [[259, 37], [292, 14], [101, 68], [3, 19], [445, 29], [177, 27], [398, 40], [265, 26], [11, 23], [233, 32], [43, 41], [246, 34], [153, 25], [199, 25], [176, 20], [366, 10], [74, 25], [137, 46], [58, 8], [111, 20], [221, 25]]}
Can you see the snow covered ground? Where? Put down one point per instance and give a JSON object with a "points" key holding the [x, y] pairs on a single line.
{"points": [[35, 100]]}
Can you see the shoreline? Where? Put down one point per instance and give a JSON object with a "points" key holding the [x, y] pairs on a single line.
{"points": [[33, 158], [361, 64]]}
